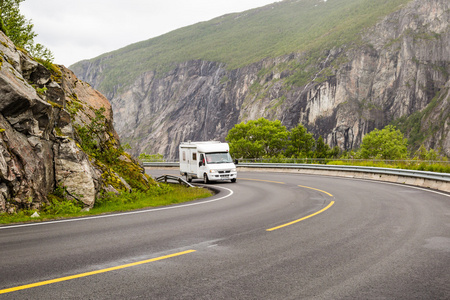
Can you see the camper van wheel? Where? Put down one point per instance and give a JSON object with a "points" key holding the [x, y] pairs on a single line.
{"points": [[205, 178], [233, 180], [188, 178]]}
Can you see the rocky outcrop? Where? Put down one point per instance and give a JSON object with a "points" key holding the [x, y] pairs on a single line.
{"points": [[39, 146], [397, 69]]}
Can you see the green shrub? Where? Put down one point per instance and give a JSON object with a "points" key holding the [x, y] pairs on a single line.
{"points": [[388, 143], [66, 207], [59, 204]]}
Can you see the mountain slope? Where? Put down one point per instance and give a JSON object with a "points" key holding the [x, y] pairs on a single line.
{"points": [[243, 38], [341, 68]]}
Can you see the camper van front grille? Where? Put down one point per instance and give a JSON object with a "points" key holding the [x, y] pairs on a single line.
{"points": [[222, 172]]}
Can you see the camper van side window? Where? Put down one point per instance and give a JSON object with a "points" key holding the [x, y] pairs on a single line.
{"points": [[184, 155], [194, 156]]}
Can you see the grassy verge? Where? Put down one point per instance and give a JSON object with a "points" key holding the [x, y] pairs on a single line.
{"points": [[166, 195]]}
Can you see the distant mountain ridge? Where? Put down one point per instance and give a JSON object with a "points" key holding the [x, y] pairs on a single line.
{"points": [[341, 68], [240, 39]]}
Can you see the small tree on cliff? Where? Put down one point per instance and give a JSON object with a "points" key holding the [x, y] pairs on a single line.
{"points": [[20, 30]]}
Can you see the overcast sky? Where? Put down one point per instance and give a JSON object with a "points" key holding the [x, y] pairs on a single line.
{"points": [[81, 29]]}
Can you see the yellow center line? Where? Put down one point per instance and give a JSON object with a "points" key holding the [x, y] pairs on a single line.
{"points": [[262, 180], [304, 218], [307, 187], [32, 285]]}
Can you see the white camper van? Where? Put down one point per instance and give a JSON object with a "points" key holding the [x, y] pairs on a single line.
{"points": [[210, 161]]}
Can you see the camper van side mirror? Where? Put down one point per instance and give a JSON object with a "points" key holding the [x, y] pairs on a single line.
{"points": [[236, 161], [200, 163]]}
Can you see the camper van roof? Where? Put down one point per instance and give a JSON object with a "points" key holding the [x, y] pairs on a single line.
{"points": [[210, 146], [196, 143]]}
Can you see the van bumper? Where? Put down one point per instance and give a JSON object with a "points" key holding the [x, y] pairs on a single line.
{"points": [[222, 177]]}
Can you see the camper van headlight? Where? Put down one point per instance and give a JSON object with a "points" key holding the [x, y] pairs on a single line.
{"points": [[212, 171], [233, 170]]}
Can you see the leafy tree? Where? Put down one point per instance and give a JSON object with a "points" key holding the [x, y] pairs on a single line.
{"points": [[322, 149], [301, 143], [258, 138], [41, 53], [20, 30], [423, 154], [240, 144], [15, 26], [335, 152], [388, 143]]}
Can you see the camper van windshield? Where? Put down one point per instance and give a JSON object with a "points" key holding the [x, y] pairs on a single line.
{"points": [[218, 158]]}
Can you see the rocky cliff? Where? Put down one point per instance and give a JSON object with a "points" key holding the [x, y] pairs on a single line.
{"points": [[398, 68], [40, 110]]}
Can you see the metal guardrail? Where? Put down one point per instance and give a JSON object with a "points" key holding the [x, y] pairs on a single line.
{"points": [[168, 178], [376, 170], [161, 164], [387, 171]]}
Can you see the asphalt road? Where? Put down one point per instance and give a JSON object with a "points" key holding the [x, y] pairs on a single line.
{"points": [[340, 239]]}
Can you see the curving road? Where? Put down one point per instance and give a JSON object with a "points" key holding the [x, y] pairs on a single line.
{"points": [[268, 236]]}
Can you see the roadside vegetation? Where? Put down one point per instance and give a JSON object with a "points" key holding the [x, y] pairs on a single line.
{"points": [[270, 142], [61, 208]]}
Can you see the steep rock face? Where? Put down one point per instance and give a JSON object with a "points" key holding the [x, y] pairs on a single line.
{"points": [[38, 144], [398, 68]]}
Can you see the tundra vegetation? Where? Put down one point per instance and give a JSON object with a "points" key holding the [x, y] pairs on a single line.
{"points": [[158, 195]]}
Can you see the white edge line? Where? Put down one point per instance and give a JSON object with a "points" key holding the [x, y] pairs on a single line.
{"points": [[400, 184], [121, 214]]}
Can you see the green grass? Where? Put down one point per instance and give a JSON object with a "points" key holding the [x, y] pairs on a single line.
{"points": [[167, 195], [237, 40]]}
